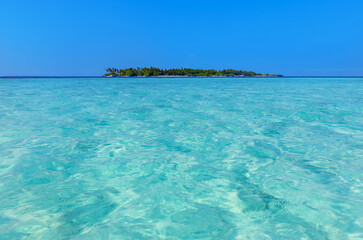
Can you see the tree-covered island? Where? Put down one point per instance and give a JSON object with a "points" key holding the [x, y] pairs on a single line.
{"points": [[183, 72]]}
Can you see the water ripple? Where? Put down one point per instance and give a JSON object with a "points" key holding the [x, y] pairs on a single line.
{"points": [[181, 158]]}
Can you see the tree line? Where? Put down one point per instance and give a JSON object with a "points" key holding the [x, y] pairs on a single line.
{"points": [[189, 72]]}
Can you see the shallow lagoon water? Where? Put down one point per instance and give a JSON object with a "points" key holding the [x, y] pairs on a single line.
{"points": [[181, 158]]}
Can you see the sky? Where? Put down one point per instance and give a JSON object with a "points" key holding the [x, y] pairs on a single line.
{"points": [[83, 38]]}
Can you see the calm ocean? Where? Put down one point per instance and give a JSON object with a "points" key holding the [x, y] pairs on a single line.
{"points": [[181, 158]]}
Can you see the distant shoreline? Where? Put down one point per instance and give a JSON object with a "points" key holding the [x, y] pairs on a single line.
{"points": [[183, 76], [182, 72]]}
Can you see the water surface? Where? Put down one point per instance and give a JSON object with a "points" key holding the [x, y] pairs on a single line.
{"points": [[181, 158]]}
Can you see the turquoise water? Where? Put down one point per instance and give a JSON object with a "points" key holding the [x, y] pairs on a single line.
{"points": [[181, 158]]}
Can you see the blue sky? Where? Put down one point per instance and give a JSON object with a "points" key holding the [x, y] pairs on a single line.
{"points": [[75, 38]]}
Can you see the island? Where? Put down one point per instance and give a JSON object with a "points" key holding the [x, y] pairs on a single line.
{"points": [[182, 72]]}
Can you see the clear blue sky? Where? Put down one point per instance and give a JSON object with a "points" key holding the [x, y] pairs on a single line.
{"points": [[64, 37]]}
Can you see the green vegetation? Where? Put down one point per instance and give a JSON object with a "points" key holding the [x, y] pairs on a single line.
{"points": [[187, 72]]}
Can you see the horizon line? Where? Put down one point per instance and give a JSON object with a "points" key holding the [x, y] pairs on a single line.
{"points": [[96, 76]]}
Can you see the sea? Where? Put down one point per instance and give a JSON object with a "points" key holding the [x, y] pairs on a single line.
{"points": [[181, 158]]}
